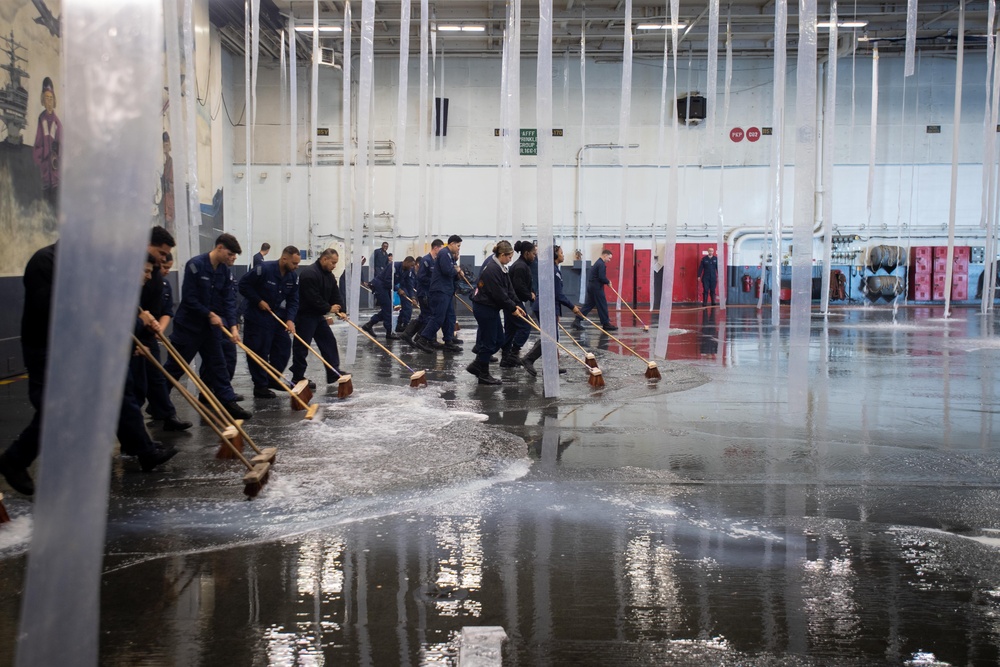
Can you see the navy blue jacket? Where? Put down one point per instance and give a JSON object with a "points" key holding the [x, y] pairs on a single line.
{"points": [[265, 283], [205, 290], [598, 275], [561, 299], [445, 279], [401, 280], [494, 289], [425, 271], [318, 290], [520, 278], [167, 299], [708, 269], [258, 259], [39, 283]]}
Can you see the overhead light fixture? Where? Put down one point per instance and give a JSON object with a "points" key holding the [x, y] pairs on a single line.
{"points": [[842, 24], [461, 28], [322, 28], [660, 26], [473, 28], [449, 28]]}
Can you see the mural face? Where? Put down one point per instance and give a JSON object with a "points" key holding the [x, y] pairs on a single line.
{"points": [[30, 129]]}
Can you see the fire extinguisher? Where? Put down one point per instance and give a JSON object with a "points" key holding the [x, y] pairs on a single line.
{"points": [[756, 291], [746, 280]]}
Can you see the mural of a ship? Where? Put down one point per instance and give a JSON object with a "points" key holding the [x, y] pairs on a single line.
{"points": [[13, 96]]}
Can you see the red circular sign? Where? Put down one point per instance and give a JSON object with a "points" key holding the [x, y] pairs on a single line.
{"points": [[736, 134], [753, 133]]}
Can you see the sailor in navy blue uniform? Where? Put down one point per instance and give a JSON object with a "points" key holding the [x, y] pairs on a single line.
{"points": [[516, 329], [197, 326], [424, 271], [273, 287], [388, 281], [319, 296], [493, 293], [529, 359], [597, 278], [444, 283], [408, 287], [258, 258]]}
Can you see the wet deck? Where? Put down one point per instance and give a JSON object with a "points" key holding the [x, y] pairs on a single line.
{"points": [[691, 521]]}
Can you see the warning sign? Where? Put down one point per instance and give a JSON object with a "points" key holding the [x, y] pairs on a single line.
{"points": [[753, 133], [736, 134]]}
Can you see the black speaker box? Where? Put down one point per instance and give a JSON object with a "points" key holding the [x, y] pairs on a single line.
{"points": [[692, 106]]}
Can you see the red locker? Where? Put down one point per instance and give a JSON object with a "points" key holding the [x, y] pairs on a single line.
{"points": [[643, 259], [960, 288], [627, 288], [963, 252], [940, 252], [687, 257]]}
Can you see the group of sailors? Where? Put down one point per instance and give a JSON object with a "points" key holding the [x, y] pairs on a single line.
{"points": [[283, 310]]}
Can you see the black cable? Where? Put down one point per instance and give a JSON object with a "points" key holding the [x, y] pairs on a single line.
{"points": [[226, 107]]}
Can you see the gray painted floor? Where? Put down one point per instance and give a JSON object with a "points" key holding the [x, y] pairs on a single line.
{"points": [[691, 521]]}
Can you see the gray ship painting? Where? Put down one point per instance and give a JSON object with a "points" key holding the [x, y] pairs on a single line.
{"points": [[13, 96]]}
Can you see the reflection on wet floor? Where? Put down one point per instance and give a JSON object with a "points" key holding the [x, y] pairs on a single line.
{"points": [[696, 520]]}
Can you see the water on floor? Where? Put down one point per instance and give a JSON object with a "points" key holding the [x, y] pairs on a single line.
{"points": [[695, 520]]}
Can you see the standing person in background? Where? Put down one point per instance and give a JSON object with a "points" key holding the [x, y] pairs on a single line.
{"points": [[319, 295], [408, 289], [708, 272], [388, 281], [273, 287], [380, 259], [48, 143], [516, 329], [167, 210], [493, 293], [536, 351], [424, 270], [205, 288], [258, 258], [444, 282], [597, 278]]}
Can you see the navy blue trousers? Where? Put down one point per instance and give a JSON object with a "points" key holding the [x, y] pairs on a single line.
{"points": [[309, 328], [442, 317], [383, 298], [150, 385], [272, 343], [405, 313], [132, 433], [208, 343], [596, 298], [489, 335], [24, 449], [517, 332]]}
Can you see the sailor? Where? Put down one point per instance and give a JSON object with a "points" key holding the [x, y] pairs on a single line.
{"points": [[408, 287], [444, 283], [388, 281], [156, 299], [424, 270], [516, 330], [597, 278], [273, 287], [197, 324], [493, 293], [258, 257], [529, 359], [319, 295]]}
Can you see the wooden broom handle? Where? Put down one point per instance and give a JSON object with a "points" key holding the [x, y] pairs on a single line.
{"points": [[626, 304], [308, 347], [561, 346], [372, 339], [266, 366], [615, 339]]}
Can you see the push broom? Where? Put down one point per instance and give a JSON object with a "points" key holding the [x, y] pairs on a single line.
{"points": [[232, 429], [258, 470], [233, 433], [596, 379], [652, 372], [417, 378], [345, 387], [297, 392], [644, 327], [588, 356]]}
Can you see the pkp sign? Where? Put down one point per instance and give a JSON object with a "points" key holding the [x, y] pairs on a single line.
{"points": [[736, 134]]}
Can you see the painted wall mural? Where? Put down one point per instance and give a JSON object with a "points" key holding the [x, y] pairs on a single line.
{"points": [[30, 130]]}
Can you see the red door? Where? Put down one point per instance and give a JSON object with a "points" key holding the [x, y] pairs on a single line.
{"points": [[642, 286], [686, 258], [627, 288]]}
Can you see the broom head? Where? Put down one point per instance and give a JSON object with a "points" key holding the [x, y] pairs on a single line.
{"points": [[344, 386], [231, 444], [418, 379], [596, 379], [255, 479], [267, 455], [652, 372], [312, 411], [457, 327], [591, 360], [4, 517], [302, 390]]}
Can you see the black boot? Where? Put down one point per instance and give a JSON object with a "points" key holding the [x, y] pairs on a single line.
{"points": [[511, 358], [408, 332], [482, 371], [528, 360]]}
